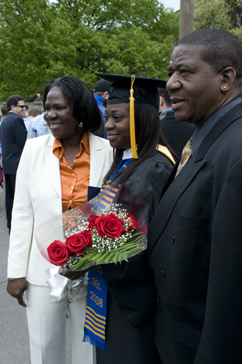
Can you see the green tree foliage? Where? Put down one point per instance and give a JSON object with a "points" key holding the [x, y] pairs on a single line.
{"points": [[212, 14], [40, 41], [22, 33], [222, 14]]}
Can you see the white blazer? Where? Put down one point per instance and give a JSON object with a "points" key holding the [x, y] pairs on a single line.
{"points": [[38, 198]]}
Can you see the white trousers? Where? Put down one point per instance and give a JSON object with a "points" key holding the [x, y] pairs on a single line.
{"points": [[47, 328]]}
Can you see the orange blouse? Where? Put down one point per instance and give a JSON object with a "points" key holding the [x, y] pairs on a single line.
{"points": [[74, 180]]}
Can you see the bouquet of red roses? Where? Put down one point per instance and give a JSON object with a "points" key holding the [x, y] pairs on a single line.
{"points": [[90, 239]]}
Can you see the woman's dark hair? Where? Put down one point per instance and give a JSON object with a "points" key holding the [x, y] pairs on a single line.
{"points": [[148, 136], [77, 93]]}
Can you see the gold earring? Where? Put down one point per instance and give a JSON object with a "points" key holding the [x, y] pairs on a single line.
{"points": [[81, 125]]}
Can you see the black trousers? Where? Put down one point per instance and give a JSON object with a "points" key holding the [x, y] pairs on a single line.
{"points": [[9, 196]]}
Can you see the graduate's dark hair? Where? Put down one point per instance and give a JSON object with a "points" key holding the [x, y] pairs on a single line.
{"points": [[148, 136], [77, 93], [217, 47]]}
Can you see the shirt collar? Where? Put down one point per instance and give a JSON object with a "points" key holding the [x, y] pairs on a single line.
{"points": [[58, 148], [127, 154], [99, 98]]}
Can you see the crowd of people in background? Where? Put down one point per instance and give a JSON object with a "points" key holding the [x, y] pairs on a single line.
{"points": [[180, 148], [34, 97]]}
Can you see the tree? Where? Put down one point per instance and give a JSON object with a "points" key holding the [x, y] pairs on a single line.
{"points": [[23, 25], [40, 41], [222, 14]]}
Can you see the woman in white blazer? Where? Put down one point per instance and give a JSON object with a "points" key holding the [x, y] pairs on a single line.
{"points": [[71, 113]]}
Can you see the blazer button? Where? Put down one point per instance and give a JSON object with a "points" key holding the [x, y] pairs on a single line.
{"points": [[162, 273], [158, 301], [173, 239]]}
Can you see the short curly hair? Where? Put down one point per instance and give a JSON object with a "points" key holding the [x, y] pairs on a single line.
{"points": [[219, 48]]}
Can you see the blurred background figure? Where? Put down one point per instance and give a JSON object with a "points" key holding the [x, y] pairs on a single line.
{"points": [[4, 112], [13, 137], [26, 113], [38, 127], [101, 94], [34, 97], [175, 132], [33, 111]]}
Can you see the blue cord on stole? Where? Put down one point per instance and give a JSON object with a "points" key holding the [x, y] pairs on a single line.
{"points": [[96, 310]]}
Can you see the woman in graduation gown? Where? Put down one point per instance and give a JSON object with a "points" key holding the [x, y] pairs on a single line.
{"points": [[131, 296]]}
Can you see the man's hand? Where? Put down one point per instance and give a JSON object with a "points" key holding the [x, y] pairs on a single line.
{"points": [[16, 288]]}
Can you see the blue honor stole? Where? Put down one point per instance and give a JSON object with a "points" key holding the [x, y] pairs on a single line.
{"points": [[96, 310]]}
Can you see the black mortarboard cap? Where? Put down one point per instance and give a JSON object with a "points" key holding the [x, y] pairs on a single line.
{"points": [[145, 89]]}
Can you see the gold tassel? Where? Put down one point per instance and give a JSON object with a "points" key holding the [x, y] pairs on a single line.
{"points": [[132, 122]]}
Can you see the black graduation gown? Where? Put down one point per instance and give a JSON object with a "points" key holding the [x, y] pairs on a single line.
{"points": [[131, 291]]}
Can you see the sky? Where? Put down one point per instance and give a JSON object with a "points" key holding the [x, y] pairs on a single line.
{"points": [[174, 4]]}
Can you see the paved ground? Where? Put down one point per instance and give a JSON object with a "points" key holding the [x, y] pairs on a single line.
{"points": [[14, 344]]}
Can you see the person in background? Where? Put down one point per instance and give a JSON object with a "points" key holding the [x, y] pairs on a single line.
{"points": [[175, 133], [26, 113], [13, 137], [101, 94], [38, 127], [195, 235], [54, 175], [4, 112], [32, 112], [34, 97]]}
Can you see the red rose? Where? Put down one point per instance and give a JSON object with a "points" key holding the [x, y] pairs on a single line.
{"points": [[78, 242], [109, 225], [58, 253], [132, 221], [92, 221]]}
